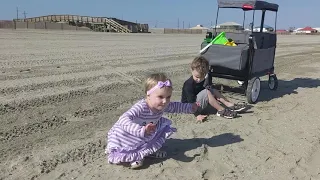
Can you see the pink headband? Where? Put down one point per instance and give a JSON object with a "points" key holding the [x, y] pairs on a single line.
{"points": [[160, 84]]}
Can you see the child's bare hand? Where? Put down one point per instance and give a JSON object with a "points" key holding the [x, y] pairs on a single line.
{"points": [[201, 118], [150, 128]]}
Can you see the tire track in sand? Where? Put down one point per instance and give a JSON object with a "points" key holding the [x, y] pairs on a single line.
{"points": [[16, 86], [16, 105], [72, 68], [14, 90], [45, 98], [50, 124], [21, 131]]}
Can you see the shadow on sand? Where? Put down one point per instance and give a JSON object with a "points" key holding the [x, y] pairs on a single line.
{"points": [[176, 148], [284, 88]]}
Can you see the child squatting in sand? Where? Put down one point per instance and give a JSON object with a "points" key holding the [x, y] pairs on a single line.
{"points": [[141, 131], [196, 89]]}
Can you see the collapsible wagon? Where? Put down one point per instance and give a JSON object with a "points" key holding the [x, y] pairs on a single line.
{"points": [[249, 56]]}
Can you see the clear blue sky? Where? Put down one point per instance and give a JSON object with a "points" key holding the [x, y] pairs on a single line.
{"points": [[164, 13]]}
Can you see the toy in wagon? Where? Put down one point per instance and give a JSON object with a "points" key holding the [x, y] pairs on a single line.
{"points": [[243, 56]]}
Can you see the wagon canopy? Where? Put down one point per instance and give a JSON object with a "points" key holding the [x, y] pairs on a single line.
{"points": [[248, 5]]}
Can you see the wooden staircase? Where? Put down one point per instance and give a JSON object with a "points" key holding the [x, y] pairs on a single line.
{"points": [[116, 26]]}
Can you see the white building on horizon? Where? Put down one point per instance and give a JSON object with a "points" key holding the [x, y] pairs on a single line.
{"points": [[199, 26], [228, 25]]}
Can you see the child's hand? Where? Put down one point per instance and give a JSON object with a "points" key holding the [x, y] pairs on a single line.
{"points": [[201, 118], [150, 128], [195, 106]]}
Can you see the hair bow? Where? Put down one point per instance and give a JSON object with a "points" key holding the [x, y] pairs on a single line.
{"points": [[160, 84]]}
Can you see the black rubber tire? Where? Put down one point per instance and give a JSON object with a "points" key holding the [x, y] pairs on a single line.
{"points": [[273, 78]]}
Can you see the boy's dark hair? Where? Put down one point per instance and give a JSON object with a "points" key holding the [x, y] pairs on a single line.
{"points": [[200, 64]]}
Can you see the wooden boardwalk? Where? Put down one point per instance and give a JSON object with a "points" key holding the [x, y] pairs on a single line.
{"points": [[97, 23]]}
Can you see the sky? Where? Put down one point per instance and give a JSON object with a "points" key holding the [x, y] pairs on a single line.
{"points": [[166, 13]]}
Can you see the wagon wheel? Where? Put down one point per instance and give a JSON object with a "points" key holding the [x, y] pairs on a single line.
{"points": [[273, 82], [253, 90]]}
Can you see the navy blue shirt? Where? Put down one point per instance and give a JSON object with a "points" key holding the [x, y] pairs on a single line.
{"points": [[191, 88]]}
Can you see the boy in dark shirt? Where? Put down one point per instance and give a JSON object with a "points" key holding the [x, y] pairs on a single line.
{"points": [[197, 89]]}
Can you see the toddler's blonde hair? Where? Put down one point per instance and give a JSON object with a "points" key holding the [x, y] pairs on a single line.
{"points": [[152, 80]]}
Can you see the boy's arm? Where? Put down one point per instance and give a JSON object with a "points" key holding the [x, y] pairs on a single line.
{"points": [[126, 121], [208, 81], [189, 93], [197, 113]]}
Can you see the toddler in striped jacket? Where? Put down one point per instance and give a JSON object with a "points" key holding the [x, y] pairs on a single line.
{"points": [[141, 131]]}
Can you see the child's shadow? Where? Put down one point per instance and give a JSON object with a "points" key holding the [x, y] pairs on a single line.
{"points": [[176, 148]]}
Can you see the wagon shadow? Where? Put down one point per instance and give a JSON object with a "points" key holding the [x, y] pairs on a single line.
{"points": [[286, 88], [176, 148]]}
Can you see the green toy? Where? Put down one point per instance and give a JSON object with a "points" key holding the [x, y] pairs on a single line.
{"points": [[220, 39]]}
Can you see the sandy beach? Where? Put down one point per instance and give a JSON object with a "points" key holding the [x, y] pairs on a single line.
{"points": [[61, 91]]}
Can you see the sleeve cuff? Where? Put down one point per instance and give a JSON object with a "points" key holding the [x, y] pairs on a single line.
{"points": [[143, 131]]}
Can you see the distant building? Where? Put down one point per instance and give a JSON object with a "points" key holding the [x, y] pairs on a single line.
{"points": [[230, 26], [266, 28], [307, 30], [282, 30], [199, 26], [296, 30], [317, 28]]}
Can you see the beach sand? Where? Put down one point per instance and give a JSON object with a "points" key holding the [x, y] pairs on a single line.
{"points": [[61, 91]]}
